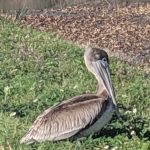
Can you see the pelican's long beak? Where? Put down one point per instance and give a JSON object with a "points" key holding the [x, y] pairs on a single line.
{"points": [[103, 72]]}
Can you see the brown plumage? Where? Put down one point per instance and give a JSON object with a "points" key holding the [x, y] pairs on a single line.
{"points": [[81, 115]]}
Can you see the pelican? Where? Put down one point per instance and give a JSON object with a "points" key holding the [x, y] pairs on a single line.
{"points": [[81, 115]]}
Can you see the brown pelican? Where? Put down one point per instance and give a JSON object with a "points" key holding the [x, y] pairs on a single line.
{"points": [[82, 115]]}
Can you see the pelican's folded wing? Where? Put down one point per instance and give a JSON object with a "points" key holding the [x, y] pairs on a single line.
{"points": [[63, 121]]}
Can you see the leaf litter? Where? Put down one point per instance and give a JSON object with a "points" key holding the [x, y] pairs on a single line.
{"points": [[124, 32]]}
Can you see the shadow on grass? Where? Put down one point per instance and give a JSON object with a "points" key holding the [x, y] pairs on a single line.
{"points": [[128, 125], [125, 130]]}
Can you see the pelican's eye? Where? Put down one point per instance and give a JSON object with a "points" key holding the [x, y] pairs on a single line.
{"points": [[104, 62], [104, 59]]}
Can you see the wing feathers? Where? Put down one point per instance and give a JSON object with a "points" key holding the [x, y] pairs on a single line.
{"points": [[64, 120]]}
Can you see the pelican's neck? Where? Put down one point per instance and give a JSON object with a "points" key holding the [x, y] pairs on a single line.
{"points": [[100, 89]]}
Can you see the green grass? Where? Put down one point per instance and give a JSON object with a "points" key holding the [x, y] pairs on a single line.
{"points": [[37, 70]]}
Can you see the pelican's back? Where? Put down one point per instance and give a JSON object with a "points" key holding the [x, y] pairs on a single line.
{"points": [[65, 120]]}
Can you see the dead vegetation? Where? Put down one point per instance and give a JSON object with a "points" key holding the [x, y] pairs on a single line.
{"points": [[124, 31]]}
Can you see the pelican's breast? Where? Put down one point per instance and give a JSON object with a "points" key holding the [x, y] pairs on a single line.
{"points": [[104, 117]]}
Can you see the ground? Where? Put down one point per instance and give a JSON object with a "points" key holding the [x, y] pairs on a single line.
{"points": [[125, 32], [38, 69]]}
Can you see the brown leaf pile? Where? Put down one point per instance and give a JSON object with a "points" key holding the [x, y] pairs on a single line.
{"points": [[125, 31]]}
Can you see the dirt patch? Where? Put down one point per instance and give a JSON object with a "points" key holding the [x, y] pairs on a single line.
{"points": [[125, 32]]}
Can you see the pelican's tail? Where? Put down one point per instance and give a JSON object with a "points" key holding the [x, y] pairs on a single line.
{"points": [[27, 139]]}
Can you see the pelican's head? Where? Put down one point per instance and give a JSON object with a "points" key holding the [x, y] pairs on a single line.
{"points": [[97, 62]]}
